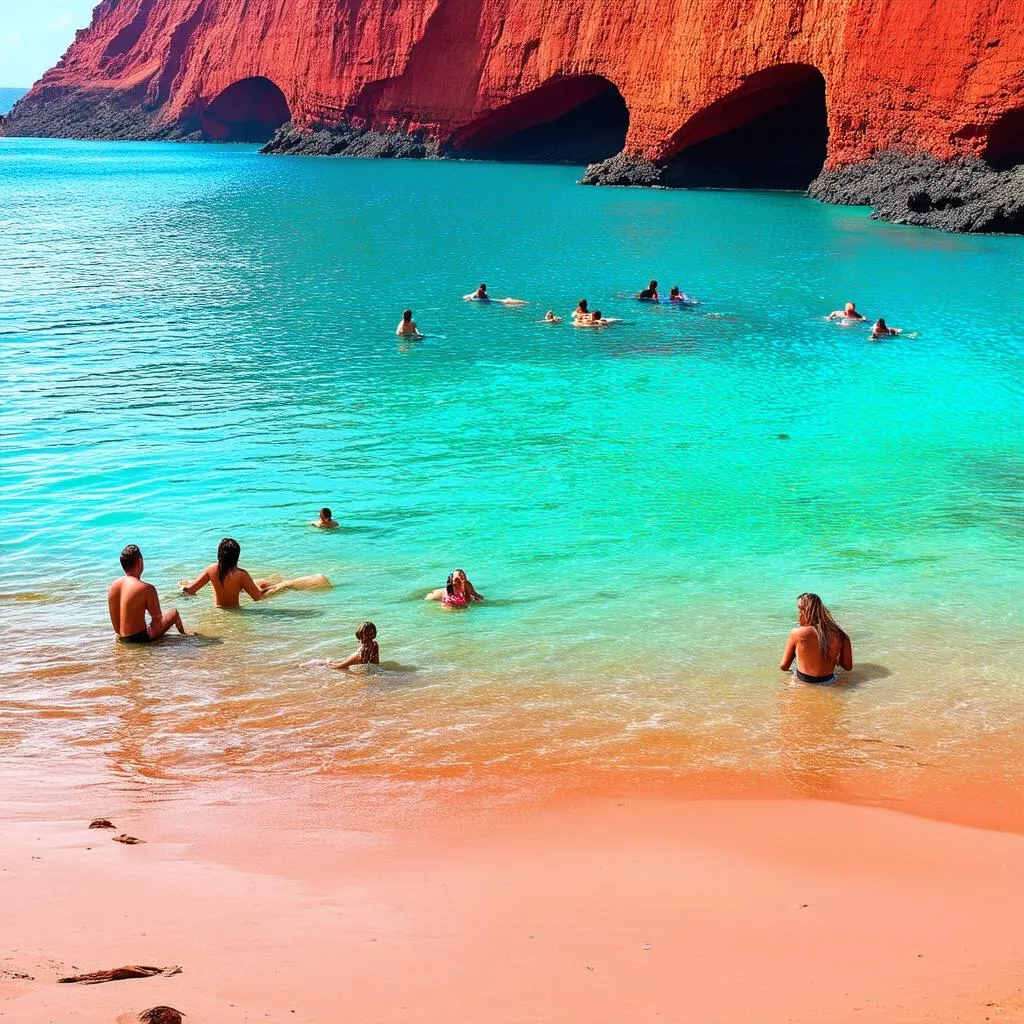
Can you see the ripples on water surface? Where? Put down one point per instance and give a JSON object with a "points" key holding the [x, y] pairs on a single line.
{"points": [[197, 341]]}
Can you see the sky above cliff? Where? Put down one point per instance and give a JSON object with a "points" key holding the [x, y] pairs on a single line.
{"points": [[35, 34]]}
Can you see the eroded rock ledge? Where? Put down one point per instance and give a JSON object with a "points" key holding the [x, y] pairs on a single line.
{"points": [[346, 140], [965, 196]]}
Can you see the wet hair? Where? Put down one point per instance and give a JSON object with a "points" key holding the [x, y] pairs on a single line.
{"points": [[228, 551], [882, 324], [325, 513], [130, 557], [818, 616], [674, 290], [596, 314], [366, 632], [449, 586], [481, 288], [653, 285], [407, 315], [582, 304]]}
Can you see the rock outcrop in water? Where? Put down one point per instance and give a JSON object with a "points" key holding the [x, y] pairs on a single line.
{"points": [[746, 93]]}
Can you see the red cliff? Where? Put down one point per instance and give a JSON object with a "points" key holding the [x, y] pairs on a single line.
{"points": [[796, 82]]}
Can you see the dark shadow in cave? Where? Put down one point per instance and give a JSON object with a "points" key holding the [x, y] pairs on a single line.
{"points": [[770, 133], [250, 110], [577, 120], [1005, 146]]}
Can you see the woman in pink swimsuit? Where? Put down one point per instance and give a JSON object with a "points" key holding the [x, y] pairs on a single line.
{"points": [[457, 592]]}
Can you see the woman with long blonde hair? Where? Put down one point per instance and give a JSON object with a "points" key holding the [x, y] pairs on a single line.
{"points": [[818, 644]]}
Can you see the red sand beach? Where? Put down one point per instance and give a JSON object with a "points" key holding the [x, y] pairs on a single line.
{"points": [[293, 907]]}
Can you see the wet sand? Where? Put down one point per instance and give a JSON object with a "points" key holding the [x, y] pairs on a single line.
{"points": [[608, 909]]}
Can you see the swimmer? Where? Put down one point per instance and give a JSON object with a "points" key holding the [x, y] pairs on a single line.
{"points": [[480, 295], [407, 326], [818, 644], [880, 329], [650, 293], [368, 653], [582, 311], [596, 320], [325, 522], [550, 318], [457, 592], [848, 312], [229, 579], [129, 599], [675, 295]]}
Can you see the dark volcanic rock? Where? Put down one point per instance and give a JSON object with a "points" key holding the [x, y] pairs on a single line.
{"points": [[87, 114], [347, 140], [622, 169], [962, 195]]}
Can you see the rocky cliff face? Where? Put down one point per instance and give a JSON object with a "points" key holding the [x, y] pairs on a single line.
{"points": [[753, 93]]}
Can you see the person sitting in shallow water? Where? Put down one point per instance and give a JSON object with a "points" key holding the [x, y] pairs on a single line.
{"points": [[880, 329], [407, 326], [650, 293], [848, 312], [582, 311], [368, 653], [457, 592], [129, 600], [229, 579], [325, 522], [480, 295], [818, 643], [550, 318]]}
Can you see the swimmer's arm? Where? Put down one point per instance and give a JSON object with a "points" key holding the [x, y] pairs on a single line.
{"points": [[789, 653], [846, 654], [153, 604], [435, 595], [257, 593], [197, 585], [113, 607]]}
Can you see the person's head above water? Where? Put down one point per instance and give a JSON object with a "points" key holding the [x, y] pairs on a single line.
{"points": [[366, 632], [325, 515], [812, 612], [228, 551], [131, 560], [850, 309], [881, 325], [674, 292], [407, 315], [481, 289], [653, 286], [581, 306], [596, 315]]}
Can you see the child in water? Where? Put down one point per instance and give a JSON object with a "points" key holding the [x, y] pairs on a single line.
{"points": [[550, 318], [368, 653], [325, 522]]}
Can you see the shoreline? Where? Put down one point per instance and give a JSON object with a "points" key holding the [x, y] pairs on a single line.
{"points": [[604, 908]]}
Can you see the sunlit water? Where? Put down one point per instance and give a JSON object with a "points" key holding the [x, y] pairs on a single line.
{"points": [[198, 342]]}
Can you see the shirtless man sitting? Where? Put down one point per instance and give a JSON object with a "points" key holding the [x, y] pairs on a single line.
{"points": [[129, 599], [229, 579]]}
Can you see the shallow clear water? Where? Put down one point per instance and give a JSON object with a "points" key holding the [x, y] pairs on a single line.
{"points": [[198, 342]]}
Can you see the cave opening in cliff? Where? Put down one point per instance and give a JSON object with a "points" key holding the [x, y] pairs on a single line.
{"points": [[572, 120], [1005, 146], [770, 133], [250, 110]]}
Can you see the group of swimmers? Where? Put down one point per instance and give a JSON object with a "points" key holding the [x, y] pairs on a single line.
{"points": [[818, 644], [130, 599], [850, 314], [583, 315]]}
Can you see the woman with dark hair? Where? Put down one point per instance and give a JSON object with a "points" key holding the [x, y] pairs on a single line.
{"points": [[407, 326], [229, 579], [818, 644]]}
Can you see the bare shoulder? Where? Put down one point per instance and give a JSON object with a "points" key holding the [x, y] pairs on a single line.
{"points": [[799, 632]]}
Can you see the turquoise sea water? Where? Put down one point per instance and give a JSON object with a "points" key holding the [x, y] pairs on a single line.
{"points": [[197, 341]]}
